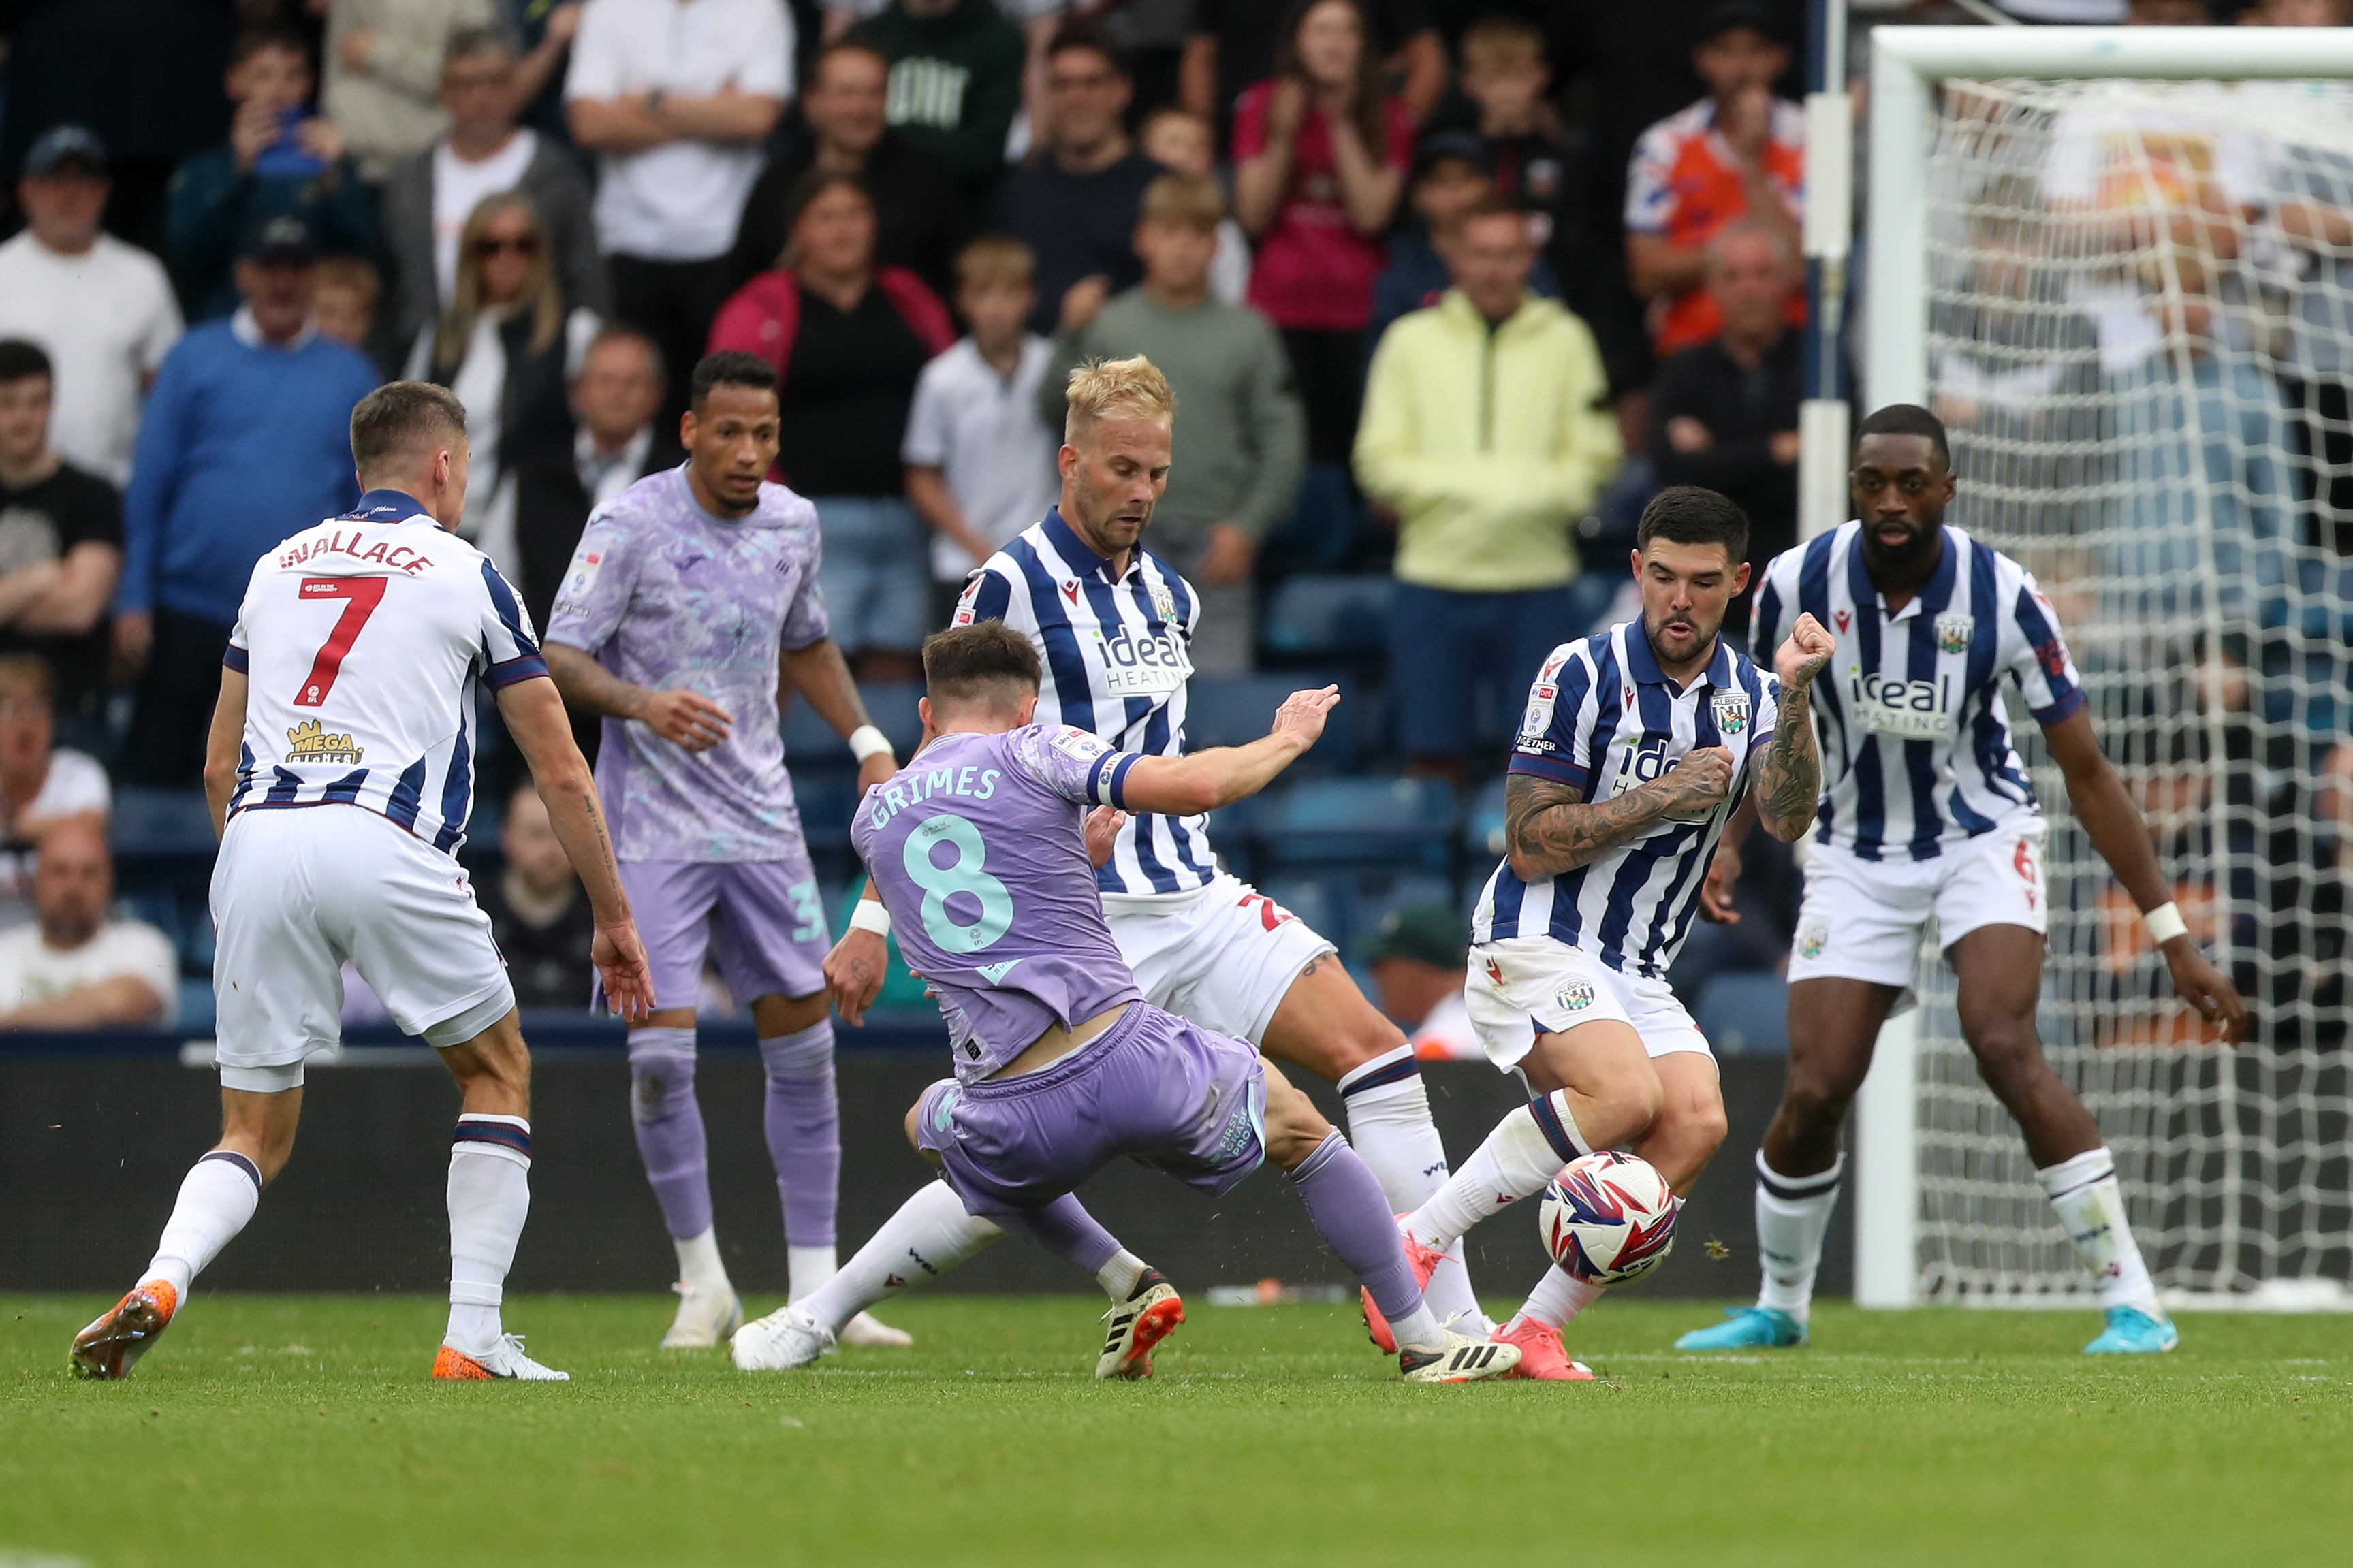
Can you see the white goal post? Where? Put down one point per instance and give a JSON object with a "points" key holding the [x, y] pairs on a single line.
{"points": [[2226, 1160]]}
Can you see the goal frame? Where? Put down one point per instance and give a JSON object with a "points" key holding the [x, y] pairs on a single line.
{"points": [[1907, 65]]}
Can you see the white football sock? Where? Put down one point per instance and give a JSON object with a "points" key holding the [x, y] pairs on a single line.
{"points": [[1557, 1298], [217, 1196], [489, 1196], [1793, 1214], [698, 1265], [1419, 1330], [1390, 1125], [1515, 1162], [1118, 1277], [930, 1234], [2091, 1206], [808, 1268]]}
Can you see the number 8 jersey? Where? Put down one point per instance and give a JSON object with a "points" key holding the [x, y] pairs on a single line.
{"points": [[977, 849], [360, 641]]}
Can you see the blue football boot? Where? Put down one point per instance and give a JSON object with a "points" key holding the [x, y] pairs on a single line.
{"points": [[1747, 1328], [2132, 1331]]}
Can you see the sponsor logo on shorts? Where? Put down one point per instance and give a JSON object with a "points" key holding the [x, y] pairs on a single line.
{"points": [[308, 742], [1812, 937], [1575, 996], [1953, 633], [1237, 1136], [1730, 712], [2024, 862]]}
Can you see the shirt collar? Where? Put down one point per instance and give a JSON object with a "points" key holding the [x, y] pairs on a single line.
{"points": [[1076, 551], [249, 331], [387, 506], [1643, 665]]}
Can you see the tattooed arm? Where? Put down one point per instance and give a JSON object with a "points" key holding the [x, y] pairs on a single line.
{"points": [[1550, 829], [1790, 775]]}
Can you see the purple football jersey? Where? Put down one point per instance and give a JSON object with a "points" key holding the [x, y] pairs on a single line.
{"points": [[670, 597], [978, 851]]}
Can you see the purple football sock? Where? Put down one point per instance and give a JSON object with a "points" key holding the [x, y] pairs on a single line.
{"points": [[669, 1124], [804, 1127], [1065, 1229], [1345, 1206]]}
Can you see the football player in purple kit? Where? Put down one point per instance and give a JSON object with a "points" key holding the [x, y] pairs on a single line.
{"points": [[690, 595], [979, 851]]}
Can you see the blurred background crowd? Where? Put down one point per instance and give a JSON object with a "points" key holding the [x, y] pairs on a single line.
{"points": [[1447, 290]]}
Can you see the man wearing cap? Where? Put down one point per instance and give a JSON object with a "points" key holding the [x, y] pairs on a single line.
{"points": [[101, 309], [1738, 153], [246, 441], [1419, 962], [1452, 167]]}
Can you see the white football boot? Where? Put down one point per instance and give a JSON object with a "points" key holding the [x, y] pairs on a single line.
{"points": [[705, 1319], [786, 1338], [503, 1360], [1462, 1360], [1149, 1315]]}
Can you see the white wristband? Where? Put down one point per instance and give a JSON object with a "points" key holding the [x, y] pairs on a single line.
{"points": [[2164, 923], [870, 915], [865, 741]]}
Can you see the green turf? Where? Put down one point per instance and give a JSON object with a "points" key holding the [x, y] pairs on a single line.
{"points": [[276, 1430]]}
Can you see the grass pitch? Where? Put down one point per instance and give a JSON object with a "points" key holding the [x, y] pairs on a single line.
{"points": [[281, 1430]]}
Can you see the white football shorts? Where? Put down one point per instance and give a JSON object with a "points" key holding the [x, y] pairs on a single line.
{"points": [[1524, 986], [1223, 957], [295, 893], [1862, 920]]}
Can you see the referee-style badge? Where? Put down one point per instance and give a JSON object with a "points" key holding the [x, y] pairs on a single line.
{"points": [[1575, 996], [1953, 633], [1730, 712]]}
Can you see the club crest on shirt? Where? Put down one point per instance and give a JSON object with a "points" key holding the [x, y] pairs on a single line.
{"points": [[1163, 603], [1575, 996], [1812, 937], [308, 742], [1731, 713], [1953, 633]]}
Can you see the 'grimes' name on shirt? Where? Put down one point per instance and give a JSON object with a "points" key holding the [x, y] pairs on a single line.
{"points": [[913, 789], [382, 554]]}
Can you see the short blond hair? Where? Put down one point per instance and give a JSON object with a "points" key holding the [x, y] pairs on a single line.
{"points": [[996, 259], [1197, 201], [1104, 389]]}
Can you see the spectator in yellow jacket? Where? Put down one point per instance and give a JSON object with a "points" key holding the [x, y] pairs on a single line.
{"points": [[1487, 430]]}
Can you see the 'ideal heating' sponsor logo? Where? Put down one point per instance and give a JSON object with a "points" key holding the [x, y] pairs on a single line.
{"points": [[1142, 663], [1918, 710], [1647, 761]]}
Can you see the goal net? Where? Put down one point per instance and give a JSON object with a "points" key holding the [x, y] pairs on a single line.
{"points": [[2135, 317]]}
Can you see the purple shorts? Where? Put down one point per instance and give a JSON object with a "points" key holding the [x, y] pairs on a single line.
{"points": [[1152, 1087], [765, 916]]}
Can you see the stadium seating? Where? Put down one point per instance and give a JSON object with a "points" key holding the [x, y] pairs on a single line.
{"points": [[1329, 620], [1483, 826], [1373, 823], [1745, 1013], [811, 742], [1235, 709]]}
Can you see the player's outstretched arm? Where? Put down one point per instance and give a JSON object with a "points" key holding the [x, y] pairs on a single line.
{"points": [[685, 719], [1186, 786], [222, 746], [1790, 775], [820, 673], [535, 718], [854, 971], [2117, 832], [1549, 828]]}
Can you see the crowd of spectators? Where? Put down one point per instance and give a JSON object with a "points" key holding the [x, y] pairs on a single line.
{"points": [[1443, 286]]}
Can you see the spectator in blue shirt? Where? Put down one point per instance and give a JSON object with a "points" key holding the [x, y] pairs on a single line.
{"points": [[246, 441], [278, 158]]}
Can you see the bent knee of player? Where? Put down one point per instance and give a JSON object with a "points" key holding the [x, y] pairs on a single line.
{"points": [[1816, 1099], [1295, 1128], [2010, 1056], [1683, 1139]]}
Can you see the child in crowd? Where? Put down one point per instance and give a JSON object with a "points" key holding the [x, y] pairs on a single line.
{"points": [[1184, 142], [1533, 165], [980, 467], [1452, 169], [344, 305]]}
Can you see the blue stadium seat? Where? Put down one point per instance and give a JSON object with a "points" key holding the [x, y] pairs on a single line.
{"points": [[1235, 709], [197, 1011], [1746, 1014], [1335, 619], [161, 823], [825, 797], [810, 741], [1372, 823], [1483, 826]]}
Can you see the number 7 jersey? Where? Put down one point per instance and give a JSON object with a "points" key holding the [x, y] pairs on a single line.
{"points": [[360, 641]]}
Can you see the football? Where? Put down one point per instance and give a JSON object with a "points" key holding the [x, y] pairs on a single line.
{"points": [[1609, 1218]]}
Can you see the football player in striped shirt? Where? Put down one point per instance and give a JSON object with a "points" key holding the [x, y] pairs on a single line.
{"points": [[1636, 745], [1928, 813], [1114, 624]]}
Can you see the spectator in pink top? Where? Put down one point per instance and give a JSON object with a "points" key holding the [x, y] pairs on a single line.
{"points": [[1320, 157]]}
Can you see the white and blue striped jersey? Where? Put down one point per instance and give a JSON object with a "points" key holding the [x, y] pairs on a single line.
{"points": [[1916, 739], [1603, 719], [361, 641], [1116, 653]]}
